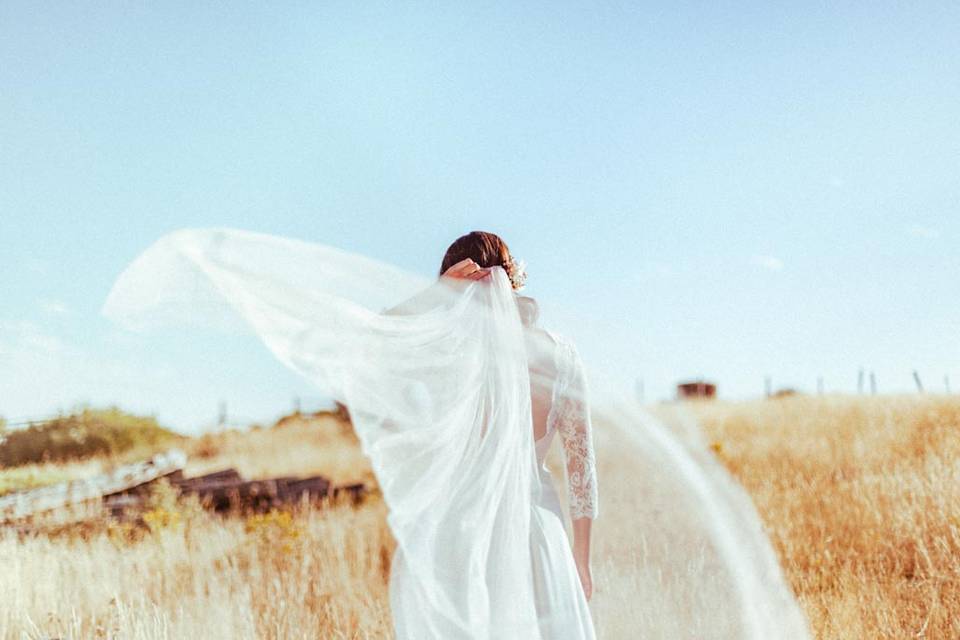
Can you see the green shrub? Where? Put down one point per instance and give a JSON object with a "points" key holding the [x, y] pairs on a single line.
{"points": [[83, 434]]}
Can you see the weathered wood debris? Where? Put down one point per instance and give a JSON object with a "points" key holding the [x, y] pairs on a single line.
{"points": [[127, 489]]}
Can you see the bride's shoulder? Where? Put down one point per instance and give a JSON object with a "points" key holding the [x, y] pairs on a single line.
{"points": [[563, 346], [559, 339], [544, 337], [529, 310]]}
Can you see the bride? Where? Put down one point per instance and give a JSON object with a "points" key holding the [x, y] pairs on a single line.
{"points": [[558, 405], [456, 395]]}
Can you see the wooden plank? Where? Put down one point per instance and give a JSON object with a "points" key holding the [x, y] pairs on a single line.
{"points": [[20, 505], [318, 486], [355, 491], [230, 494], [144, 488], [119, 503], [225, 474], [125, 490], [263, 494]]}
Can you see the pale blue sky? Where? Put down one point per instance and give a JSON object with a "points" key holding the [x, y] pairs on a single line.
{"points": [[728, 192]]}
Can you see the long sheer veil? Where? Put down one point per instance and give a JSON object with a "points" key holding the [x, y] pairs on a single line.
{"points": [[436, 378]]}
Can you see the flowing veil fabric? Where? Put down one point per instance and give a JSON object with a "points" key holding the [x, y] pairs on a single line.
{"points": [[436, 378]]}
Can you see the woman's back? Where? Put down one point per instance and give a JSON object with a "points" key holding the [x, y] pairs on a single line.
{"points": [[559, 404], [542, 359]]}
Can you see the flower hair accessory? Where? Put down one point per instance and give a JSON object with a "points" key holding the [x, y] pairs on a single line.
{"points": [[517, 272]]}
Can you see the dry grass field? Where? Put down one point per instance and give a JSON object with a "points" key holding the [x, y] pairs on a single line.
{"points": [[861, 498]]}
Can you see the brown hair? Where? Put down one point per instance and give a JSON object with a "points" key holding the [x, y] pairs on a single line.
{"points": [[489, 250], [486, 249]]}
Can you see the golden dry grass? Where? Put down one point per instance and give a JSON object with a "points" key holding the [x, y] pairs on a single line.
{"points": [[32, 476], [860, 497], [304, 446], [310, 573]]}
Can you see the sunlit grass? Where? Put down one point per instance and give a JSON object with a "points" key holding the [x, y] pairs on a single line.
{"points": [[33, 476], [860, 496]]}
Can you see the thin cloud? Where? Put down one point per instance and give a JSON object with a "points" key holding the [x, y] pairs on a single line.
{"points": [[662, 269], [926, 233], [37, 265], [770, 263], [54, 307], [30, 338]]}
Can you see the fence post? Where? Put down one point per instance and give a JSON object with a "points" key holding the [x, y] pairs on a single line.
{"points": [[873, 383], [916, 378]]}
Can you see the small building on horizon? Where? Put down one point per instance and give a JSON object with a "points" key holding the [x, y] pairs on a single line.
{"points": [[696, 390]]}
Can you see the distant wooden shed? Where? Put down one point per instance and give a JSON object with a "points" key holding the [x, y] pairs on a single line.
{"points": [[696, 389]]}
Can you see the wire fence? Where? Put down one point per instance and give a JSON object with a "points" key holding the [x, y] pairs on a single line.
{"points": [[867, 383]]}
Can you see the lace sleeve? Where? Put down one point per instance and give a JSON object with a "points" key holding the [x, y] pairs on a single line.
{"points": [[573, 422]]}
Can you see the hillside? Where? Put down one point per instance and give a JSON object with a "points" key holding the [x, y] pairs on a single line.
{"points": [[82, 435]]}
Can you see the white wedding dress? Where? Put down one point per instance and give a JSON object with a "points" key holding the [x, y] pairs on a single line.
{"points": [[446, 383], [558, 385], [561, 605]]}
